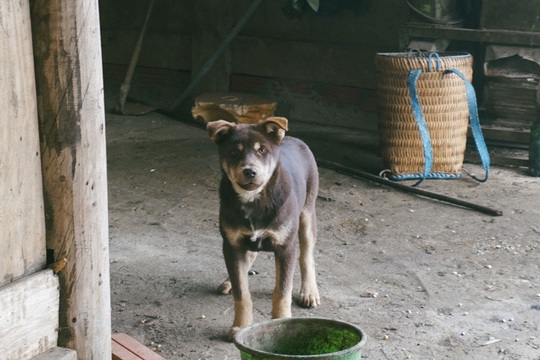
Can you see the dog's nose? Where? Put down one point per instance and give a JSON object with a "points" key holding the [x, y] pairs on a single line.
{"points": [[250, 173]]}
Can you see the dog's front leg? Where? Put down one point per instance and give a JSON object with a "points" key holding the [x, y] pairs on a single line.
{"points": [[282, 297], [238, 263], [226, 288]]}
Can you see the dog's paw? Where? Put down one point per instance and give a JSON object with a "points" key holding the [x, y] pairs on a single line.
{"points": [[225, 288], [232, 332], [309, 300]]}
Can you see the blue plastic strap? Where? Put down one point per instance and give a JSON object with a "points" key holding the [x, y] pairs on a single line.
{"points": [[475, 124], [421, 121], [437, 58]]}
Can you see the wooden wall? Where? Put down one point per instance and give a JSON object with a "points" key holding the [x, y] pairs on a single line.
{"points": [[318, 67], [22, 219], [28, 297], [336, 49]]}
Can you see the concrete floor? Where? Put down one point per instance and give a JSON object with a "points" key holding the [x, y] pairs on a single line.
{"points": [[424, 279]]}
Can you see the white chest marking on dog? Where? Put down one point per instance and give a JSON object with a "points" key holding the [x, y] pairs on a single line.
{"points": [[278, 235], [247, 196], [257, 234]]}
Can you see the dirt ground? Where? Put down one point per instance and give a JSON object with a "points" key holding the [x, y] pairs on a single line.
{"points": [[424, 279]]}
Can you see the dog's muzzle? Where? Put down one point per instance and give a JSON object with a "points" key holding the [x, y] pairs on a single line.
{"points": [[249, 175]]}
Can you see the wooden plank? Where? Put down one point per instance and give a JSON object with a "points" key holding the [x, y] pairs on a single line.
{"points": [[354, 26], [127, 348], [498, 160], [507, 37], [22, 226], [29, 316], [339, 64], [510, 15], [206, 40], [121, 353], [506, 134], [57, 353], [68, 70], [172, 49]]}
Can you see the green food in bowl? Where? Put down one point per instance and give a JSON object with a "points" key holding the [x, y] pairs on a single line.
{"points": [[305, 338]]}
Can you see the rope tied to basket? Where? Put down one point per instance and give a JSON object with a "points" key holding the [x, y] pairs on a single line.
{"points": [[474, 121], [421, 121]]}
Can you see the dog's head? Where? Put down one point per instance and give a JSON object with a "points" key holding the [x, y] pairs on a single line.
{"points": [[248, 154]]}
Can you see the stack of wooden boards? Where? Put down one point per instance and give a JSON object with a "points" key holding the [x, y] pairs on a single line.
{"points": [[125, 347]]}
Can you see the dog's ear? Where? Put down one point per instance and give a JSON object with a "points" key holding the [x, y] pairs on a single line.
{"points": [[218, 129], [275, 125]]}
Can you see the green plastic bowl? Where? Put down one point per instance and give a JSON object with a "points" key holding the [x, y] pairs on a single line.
{"points": [[300, 338]]}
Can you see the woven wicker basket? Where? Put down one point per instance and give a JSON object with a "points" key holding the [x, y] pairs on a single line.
{"points": [[443, 101]]}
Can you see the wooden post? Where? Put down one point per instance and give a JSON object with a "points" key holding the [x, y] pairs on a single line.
{"points": [[22, 226], [69, 82]]}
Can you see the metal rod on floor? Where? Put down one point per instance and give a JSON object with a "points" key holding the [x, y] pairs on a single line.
{"points": [[216, 55], [364, 175]]}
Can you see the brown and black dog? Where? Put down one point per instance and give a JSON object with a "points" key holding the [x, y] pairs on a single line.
{"points": [[267, 203]]}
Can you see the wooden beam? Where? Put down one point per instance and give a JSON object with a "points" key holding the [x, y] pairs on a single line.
{"points": [[506, 37], [506, 134], [71, 114], [22, 225], [29, 316]]}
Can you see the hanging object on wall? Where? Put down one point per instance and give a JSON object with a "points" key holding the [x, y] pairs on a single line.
{"points": [[297, 8], [314, 4], [442, 12]]}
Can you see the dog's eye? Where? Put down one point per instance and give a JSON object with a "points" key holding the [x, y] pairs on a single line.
{"points": [[235, 152], [263, 150]]}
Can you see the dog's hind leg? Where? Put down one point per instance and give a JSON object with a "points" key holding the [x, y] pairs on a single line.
{"points": [[309, 294], [226, 288]]}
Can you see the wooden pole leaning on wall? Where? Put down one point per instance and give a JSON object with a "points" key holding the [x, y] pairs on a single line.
{"points": [[69, 85]]}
